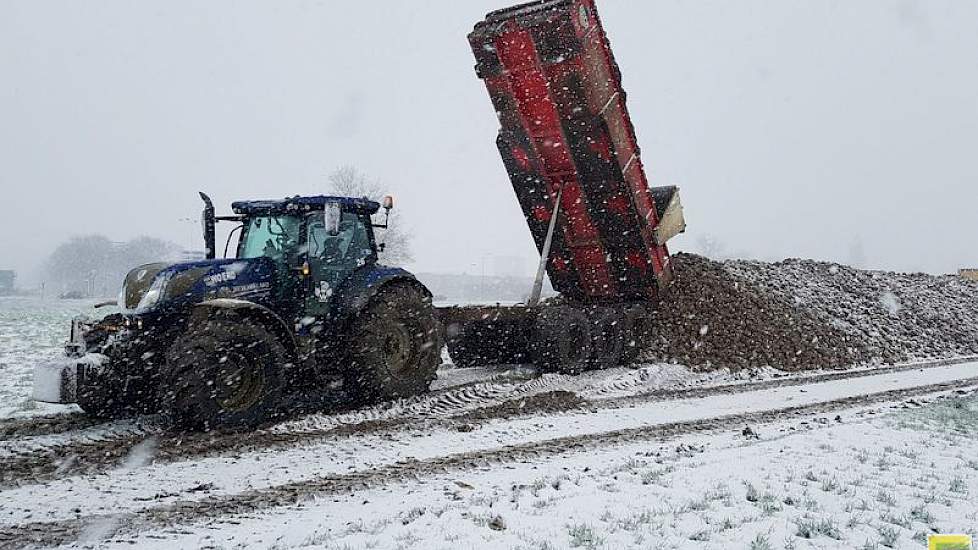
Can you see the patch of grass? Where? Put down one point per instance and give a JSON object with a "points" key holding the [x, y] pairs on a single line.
{"points": [[922, 514], [810, 504], [885, 498], [959, 416], [829, 484], [653, 476], [633, 523], [718, 492], [854, 520], [752, 493], [909, 454], [896, 519], [889, 536], [701, 535], [761, 542], [810, 528], [958, 485], [583, 536], [412, 514]]}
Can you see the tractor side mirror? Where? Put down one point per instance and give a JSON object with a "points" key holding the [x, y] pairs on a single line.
{"points": [[387, 202], [331, 218]]}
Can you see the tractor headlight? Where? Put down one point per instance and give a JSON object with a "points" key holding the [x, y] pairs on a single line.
{"points": [[154, 295]]}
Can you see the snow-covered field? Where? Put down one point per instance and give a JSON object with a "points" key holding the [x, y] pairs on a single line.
{"points": [[657, 456], [870, 481], [32, 330]]}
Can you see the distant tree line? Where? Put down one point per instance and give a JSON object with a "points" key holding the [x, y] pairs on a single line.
{"points": [[94, 265]]}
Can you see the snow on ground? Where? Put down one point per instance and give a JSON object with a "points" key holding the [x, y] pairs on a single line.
{"points": [[867, 481], [32, 330], [127, 490]]}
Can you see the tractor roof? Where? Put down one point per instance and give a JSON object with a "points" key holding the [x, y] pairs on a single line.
{"points": [[299, 204]]}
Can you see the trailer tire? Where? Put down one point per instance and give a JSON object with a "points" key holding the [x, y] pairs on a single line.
{"points": [[223, 371], [563, 340], [395, 345], [464, 348], [609, 338], [636, 329], [480, 343]]}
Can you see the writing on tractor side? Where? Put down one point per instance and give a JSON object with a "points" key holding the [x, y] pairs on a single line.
{"points": [[303, 306]]}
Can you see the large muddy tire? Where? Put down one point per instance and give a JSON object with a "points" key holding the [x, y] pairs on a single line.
{"points": [[395, 345], [466, 347], [563, 340], [480, 343], [223, 371], [637, 327], [609, 338], [103, 400]]}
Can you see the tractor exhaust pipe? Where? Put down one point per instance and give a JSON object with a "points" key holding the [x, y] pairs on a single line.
{"points": [[207, 220]]}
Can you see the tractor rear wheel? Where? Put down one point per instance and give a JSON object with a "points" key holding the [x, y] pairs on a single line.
{"points": [[395, 345], [223, 371], [563, 340]]}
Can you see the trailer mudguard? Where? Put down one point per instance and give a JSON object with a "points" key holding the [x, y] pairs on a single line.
{"points": [[268, 317]]}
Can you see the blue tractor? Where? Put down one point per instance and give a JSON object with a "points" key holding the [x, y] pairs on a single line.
{"points": [[301, 308]]}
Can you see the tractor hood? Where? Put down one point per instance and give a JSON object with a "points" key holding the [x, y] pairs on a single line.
{"points": [[158, 285]]}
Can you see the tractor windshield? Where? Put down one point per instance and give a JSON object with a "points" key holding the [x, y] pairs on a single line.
{"points": [[272, 236]]}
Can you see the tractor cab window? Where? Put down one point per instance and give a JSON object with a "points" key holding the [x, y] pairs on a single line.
{"points": [[276, 237], [350, 246]]}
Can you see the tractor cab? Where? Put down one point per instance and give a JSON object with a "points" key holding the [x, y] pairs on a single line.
{"points": [[315, 243]]}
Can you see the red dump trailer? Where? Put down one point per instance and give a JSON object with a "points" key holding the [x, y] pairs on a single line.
{"points": [[569, 147]]}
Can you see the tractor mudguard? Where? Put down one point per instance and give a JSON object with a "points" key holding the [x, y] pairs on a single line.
{"points": [[354, 294], [269, 318]]}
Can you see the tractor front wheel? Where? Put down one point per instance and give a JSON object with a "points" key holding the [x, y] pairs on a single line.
{"points": [[223, 371]]}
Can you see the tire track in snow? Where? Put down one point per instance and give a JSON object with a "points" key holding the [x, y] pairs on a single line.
{"points": [[217, 507], [603, 389]]}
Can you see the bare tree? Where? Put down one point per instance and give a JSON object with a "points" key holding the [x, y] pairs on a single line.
{"points": [[93, 265], [711, 247], [347, 181]]}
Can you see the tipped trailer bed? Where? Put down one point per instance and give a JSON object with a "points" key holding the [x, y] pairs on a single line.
{"points": [[569, 148]]}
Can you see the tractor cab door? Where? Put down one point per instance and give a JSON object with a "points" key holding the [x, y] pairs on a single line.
{"points": [[333, 258]]}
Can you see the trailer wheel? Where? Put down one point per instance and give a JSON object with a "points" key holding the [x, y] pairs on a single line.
{"points": [[637, 327], [563, 340], [480, 343], [464, 347], [395, 345], [610, 338], [223, 371]]}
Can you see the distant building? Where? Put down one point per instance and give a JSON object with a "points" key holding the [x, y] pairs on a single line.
{"points": [[7, 277], [971, 273]]}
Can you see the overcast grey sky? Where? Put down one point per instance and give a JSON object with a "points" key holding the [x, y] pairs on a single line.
{"points": [[793, 127]]}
